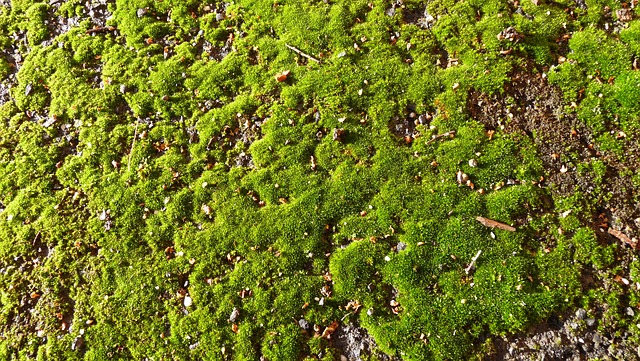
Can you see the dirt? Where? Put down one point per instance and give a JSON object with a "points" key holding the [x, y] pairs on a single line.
{"points": [[354, 343], [570, 336], [532, 106]]}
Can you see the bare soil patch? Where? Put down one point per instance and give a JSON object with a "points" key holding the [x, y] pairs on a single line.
{"points": [[532, 106]]}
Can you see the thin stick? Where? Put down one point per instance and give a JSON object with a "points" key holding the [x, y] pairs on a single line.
{"points": [[35, 239], [438, 136], [133, 143], [473, 262], [494, 224], [297, 51]]}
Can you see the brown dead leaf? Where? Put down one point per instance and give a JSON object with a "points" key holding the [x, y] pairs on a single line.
{"points": [[161, 147], [623, 237], [282, 76], [329, 330], [353, 304]]}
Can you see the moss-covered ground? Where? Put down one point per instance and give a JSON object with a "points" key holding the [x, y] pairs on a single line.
{"points": [[216, 181]]}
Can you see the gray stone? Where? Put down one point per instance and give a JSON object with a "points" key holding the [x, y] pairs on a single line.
{"points": [[629, 312], [234, 315], [304, 324]]}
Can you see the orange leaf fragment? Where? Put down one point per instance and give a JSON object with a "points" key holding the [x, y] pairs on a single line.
{"points": [[282, 76], [329, 330]]}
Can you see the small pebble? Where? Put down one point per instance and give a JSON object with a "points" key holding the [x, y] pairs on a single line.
{"points": [[140, 12], [629, 312], [304, 324], [234, 315], [573, 325]]}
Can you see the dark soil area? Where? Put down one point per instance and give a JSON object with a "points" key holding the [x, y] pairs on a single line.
{"points": [[531, 106]]}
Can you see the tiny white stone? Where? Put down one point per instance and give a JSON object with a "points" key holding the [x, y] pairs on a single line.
{"points": [[187, 301]]}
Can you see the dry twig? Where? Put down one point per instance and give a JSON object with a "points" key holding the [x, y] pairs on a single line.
{"points": [[473, 262], [299, 52], [494, 224], [100, 29], [438, 136]]}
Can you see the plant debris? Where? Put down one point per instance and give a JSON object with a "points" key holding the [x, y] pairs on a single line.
{"points": [[494, 224]]}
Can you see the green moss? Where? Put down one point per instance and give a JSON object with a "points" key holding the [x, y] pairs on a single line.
{"points": [[588, 250], [354, 269], [37, 30], [607, 59], [284, 344], [143, 186]]}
